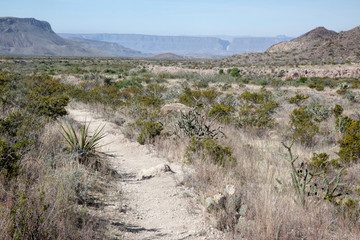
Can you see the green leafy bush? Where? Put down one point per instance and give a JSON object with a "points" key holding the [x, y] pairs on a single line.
{"points": [[149, 130], [209, 149], [303, 126], [235, 72], [256, 109], [152, 95], [337, 110], [193, 98], [298, 99], [10, 155], [319, 162], [303, 79], [221, 112], [350, 141]]}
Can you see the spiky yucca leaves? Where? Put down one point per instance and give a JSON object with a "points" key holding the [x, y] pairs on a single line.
{"points": [[83, 145]]}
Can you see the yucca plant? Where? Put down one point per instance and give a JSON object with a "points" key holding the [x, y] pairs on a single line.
{"points": [[83, 145]]}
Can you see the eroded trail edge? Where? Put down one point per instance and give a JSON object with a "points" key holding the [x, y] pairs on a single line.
{"points": [[154, 203]]}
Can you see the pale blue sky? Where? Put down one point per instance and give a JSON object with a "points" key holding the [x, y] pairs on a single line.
{"points": [[189, 17]]}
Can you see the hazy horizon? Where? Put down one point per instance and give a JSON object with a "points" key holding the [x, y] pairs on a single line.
{"points": [[257, 18]]}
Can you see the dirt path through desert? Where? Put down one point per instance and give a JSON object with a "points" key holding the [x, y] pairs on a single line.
{"points": [[156, 207]]}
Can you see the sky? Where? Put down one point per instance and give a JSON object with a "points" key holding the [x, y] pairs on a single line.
{"points": [[189, 17]]}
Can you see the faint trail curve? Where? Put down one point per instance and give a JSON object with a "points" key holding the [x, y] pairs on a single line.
{"points": [[155, 208]]}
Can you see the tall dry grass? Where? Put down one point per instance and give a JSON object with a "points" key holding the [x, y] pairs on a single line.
{"points": [[262, 178], [50, 197]]}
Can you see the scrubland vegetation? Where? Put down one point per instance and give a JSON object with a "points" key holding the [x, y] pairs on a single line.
{"points": [[288, 149]]}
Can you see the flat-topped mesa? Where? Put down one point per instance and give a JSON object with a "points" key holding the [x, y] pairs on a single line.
{"points": [[23, 24], [31, 37]]}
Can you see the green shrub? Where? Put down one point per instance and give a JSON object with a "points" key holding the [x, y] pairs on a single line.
{"points": [[319, 162], [149, 130], [152, 95], [350, 141], [201, 84], [209, 149], [110, 71], [303, 126], [221, 112], [235, 72], [256, 109], [298, 99], [51, 107], [193, 98], [303, 79], [10, 155], [317, 85], [127, 83], [337, 110], [320, 87], [190, 97], [226, 86]]}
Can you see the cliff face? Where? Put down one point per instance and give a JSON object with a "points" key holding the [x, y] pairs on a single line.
{"points": [[110, 48], [185, 45], [28, 36], [160, 44]]}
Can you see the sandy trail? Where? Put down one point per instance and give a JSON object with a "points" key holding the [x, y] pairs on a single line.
{"points": [[156, 208]]}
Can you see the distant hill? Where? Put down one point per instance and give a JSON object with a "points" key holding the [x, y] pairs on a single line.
{"points": [[167, 56], [31, 37], [316, 36], [110, 48], [323, 44]]}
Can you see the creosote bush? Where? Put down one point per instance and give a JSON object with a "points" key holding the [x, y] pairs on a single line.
{"points": [[350, 141], [149, 130], [256, 109], [298, 99], [209, 149], [303, 126]]}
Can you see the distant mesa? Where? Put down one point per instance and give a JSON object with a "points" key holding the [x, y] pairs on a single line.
{"points": [[31, 37], [185, 45], [110, 48]]}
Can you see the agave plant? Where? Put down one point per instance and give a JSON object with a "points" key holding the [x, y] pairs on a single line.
{"points": [[80, 143]]}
